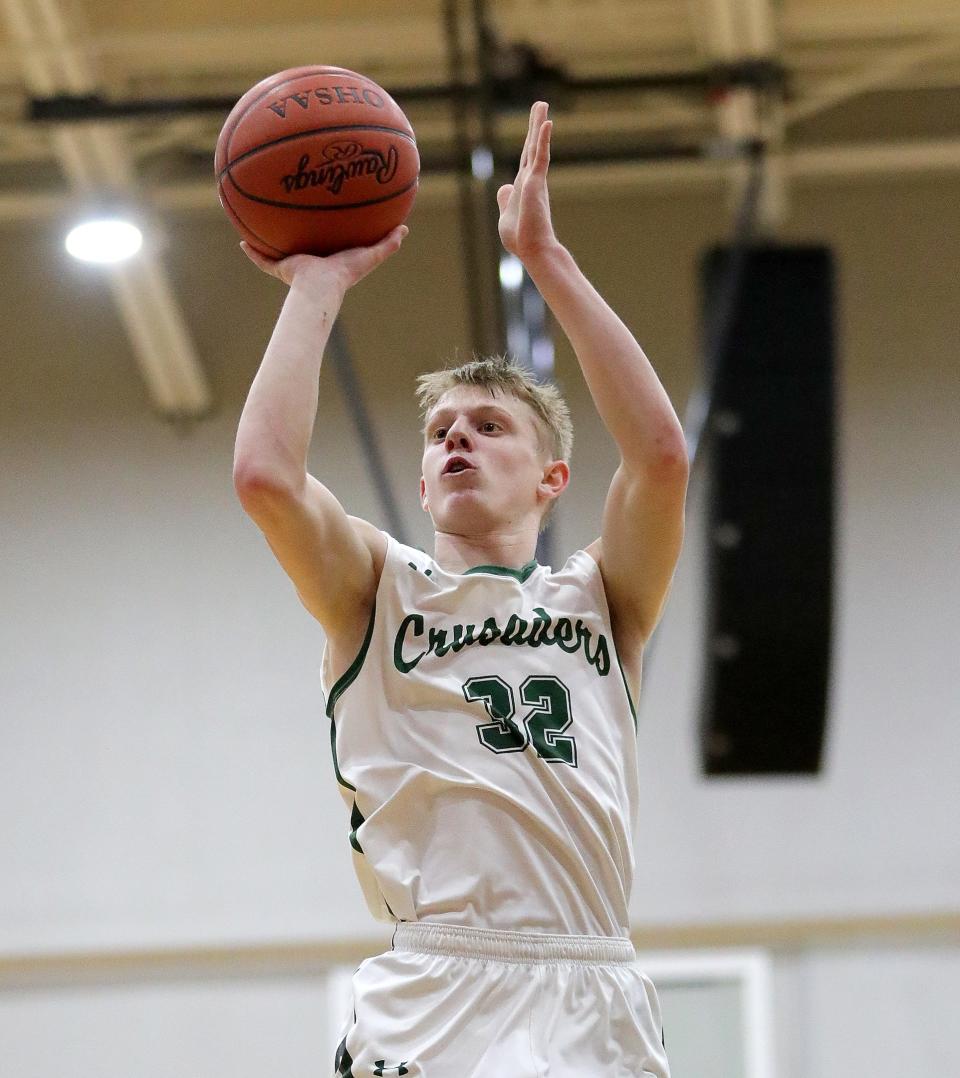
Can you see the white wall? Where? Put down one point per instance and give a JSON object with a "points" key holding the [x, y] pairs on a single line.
{"points": [[166, 774], [838, 1011], [876, 1010], [179, 1029]]}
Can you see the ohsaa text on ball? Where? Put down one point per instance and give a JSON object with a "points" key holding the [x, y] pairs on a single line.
{"points": [[329, 95]]}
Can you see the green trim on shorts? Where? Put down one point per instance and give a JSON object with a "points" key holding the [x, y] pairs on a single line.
{"points": [[342, 1060], [357, 819]]}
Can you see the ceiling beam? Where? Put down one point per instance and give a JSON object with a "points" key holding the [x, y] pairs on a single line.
{"points": [[875, 75], [854, 20], [100, 170], [811, 165]]}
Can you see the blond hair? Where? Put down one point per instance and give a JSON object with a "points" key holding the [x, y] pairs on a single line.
{"points": [[498, 374]]}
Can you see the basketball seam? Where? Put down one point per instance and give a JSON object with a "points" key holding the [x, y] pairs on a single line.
{"points": [[310, 71], [346, 206], [228, 206], [319, 69], [313, 131]]}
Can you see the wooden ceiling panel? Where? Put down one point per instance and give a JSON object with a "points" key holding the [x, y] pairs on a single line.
{"points": [[831, 21], [835, 51], [105, 16]]}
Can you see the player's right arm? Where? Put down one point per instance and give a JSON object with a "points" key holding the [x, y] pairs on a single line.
{"points": [[333, 559]]}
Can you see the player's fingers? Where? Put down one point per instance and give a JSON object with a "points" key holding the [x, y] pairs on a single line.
{"points": [[538, 116], [367, 258], [268, 265], [396, 238], [525, 152], [503, 196], [543, 146], [385, 247], [528, 141]]}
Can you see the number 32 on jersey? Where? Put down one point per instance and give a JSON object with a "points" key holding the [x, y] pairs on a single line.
{"points": [[543, 726]]}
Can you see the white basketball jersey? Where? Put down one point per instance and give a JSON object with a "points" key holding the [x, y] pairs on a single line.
{"points": [[485, 743]]}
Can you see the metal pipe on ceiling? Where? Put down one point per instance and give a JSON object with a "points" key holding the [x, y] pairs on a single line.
{"points": [[489, 282], [456, 59], [506, 93]]}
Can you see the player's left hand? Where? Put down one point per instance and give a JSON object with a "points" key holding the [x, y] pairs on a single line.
{"points": [[526, 228]]}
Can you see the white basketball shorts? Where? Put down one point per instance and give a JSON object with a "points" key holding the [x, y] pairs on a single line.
{"points": [[452, 1002]]}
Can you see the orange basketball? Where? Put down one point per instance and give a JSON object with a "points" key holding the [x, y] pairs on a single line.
{"points": [[315, 160]]}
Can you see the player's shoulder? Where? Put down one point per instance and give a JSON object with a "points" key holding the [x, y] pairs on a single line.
{"points": [[374, 540], [583, 564], [389, 554], [382, 546], [594, 550]]}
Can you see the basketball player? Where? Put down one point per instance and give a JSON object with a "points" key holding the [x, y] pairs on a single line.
{"points": [[482, 705]]}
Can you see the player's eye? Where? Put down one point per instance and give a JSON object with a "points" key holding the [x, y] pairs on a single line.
{"points": [[440, 432], [489, 427]]}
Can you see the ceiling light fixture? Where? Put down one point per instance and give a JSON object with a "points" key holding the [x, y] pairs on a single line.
{"points": [[104, 239]]}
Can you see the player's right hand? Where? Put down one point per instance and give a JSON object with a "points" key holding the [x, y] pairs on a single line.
{"points": [[346, 267]]}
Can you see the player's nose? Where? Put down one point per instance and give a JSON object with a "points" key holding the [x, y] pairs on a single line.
{"points": [[458, 435]]}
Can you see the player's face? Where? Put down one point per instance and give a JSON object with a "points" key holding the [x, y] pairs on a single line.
{"points": [[483, 463]]}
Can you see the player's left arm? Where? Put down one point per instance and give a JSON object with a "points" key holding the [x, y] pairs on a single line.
{"points": [[643, 519]]}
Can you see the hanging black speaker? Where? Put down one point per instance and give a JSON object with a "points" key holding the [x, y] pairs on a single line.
{"points": [[770, 476]]}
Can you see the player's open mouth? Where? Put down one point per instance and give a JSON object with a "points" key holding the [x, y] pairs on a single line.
{"points": [[455, 465]]}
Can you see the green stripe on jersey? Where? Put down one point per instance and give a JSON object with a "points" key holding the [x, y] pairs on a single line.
{"points": [[520, 574], [338, 690], [348, 678], [633, 710]]}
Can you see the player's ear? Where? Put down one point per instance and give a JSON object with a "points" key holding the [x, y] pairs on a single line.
{"points": [[555, 477], [423, 496]]}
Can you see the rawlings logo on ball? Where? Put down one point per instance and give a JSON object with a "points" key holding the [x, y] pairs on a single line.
{"points": [[340, 151], [334, 174], [315, 160]]}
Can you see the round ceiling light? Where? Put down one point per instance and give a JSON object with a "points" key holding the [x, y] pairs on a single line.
{"points": [[104, 240]]}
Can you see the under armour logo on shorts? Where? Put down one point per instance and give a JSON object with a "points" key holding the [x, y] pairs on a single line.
{"points": [[380, 1067]]}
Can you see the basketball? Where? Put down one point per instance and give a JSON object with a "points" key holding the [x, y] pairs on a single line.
{"points": [[314, 160]]}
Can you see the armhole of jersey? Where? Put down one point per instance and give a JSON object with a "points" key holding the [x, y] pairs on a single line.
{"points": [[346, 679], [350, 675], [596, 577]]}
